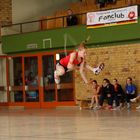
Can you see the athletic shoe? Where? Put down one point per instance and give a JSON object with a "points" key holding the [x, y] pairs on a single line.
{"points": [[138, 107], [100, 107], [56, 78], [133, 100], [98, 69], [116, 108], [96, 108], [128, 106], [91, 106]]}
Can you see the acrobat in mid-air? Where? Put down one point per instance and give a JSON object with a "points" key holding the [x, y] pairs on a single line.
{"points": [[73, 61]]}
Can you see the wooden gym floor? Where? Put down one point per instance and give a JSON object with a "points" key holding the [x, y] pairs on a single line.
{"points": [[69, 124]]}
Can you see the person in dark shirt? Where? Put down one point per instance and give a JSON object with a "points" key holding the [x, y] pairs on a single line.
{"points": [[111, 1], [71, 18], [101, 3], [107, 92], [119, 95]]}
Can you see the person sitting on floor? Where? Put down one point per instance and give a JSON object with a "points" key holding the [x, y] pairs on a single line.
{"points": [[130, 90]]}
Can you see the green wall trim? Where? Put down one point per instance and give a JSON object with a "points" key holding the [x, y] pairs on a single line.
{"points": [[70, 37], [43, 40], [137, 41]]}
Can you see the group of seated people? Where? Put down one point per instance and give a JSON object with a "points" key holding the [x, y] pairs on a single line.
{"points": [[114, 94]]}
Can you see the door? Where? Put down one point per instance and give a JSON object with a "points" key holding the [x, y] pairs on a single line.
{"points": [[65, 95], [31, 82], [15, 80], [47, 78], [51, 95], [32, 96], [3, 81]]}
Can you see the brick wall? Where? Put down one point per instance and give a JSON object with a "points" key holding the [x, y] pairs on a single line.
{"points": [[5, 12], [120, 62]]}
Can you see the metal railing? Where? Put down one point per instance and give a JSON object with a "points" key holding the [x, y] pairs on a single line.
{"points": [[44, 24], [38, 25]]}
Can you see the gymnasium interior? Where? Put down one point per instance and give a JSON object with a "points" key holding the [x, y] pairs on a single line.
{"points": [[35, 36]]}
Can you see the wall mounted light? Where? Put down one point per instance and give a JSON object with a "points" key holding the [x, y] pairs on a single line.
{"points": [[57, 56]]}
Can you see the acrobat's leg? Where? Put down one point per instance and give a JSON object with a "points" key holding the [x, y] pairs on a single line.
{"points": [[96, 70], [58, 72]]}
